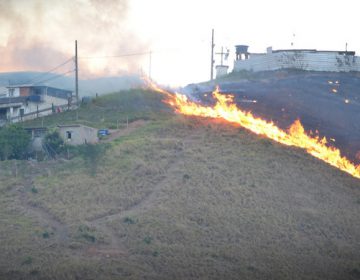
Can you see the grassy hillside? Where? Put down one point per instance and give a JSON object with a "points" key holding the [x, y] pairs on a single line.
{"points": [[177, 198], [111, 111]]}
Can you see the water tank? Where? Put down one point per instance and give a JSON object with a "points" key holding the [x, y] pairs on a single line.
{"points": [[241, 49]]}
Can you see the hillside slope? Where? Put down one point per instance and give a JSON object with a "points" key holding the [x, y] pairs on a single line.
{"points": [[179, 198], [323, 101]]}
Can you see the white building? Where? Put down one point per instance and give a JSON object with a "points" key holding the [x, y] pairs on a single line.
{"points": [[28, 101], [303, 59], [221, 70], [77, 134]]}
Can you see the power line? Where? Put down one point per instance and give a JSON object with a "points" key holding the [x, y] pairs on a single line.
{"points": [[33, 80], [54, 77], [43, 81], [114, 56]]}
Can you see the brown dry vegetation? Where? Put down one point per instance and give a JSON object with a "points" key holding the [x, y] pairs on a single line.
{"points": [[181, 198]]}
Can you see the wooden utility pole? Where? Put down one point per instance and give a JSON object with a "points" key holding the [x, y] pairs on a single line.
{"points": [[76, 75], [212, 55]]}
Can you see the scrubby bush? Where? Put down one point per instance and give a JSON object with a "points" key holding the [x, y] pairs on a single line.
{"points": [[92, 155], [54, 143], [14, 142]]}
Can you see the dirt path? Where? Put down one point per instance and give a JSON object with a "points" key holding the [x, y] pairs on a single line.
{"points": [[102, 222], [48, 221]]}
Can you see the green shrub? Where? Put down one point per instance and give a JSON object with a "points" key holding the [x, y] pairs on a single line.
{"points": [[34, 190], [86, 233], [155, 253], [14, 142], [54, 143], [46, 234], [88, 237], [27, 260], [129, 221], [147, 240]]}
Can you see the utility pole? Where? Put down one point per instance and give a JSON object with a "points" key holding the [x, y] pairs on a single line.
{"points": [[76, 75], [212, 55]]}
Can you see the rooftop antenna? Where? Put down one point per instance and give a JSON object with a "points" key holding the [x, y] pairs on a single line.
{"points": [[227, 54], [224, 55]]}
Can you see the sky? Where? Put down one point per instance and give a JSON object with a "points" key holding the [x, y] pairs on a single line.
{"points": [[116, 37]]}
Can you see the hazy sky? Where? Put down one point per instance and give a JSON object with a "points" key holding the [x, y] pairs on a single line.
{"points": [[39, 34]]}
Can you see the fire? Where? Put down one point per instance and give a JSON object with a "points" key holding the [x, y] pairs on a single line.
{"points": [[226, 109]]}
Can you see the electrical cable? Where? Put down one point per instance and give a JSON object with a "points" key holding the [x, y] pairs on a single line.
{"points": [[33, 80], [114, 56], [54, 77]]}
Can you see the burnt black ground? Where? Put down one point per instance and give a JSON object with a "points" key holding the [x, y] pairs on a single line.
{"points": [[284, 96]]}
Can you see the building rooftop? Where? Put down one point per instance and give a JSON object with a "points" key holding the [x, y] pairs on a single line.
{"points": [[74, 125], [315, 51]]}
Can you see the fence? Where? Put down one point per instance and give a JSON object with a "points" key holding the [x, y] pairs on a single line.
{"points": [[39, 113]]}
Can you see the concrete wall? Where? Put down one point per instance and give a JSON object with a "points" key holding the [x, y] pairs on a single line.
{"points": [[25, 91], [78, 135], [47, 103], [33, 107], [304, 60], [221, 70], [13, 92], [3, 92]]}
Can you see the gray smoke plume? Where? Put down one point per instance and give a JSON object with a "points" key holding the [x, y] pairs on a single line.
{"points": [[39, 34]]}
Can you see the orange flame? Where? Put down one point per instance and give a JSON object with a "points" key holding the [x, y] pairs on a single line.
{"points": [[226, 109]]}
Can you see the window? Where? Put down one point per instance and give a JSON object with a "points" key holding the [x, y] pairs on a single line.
{"points": [[68, 135]]}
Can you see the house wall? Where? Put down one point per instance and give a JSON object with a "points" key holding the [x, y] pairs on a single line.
{"points": [[47, 103], [38, 104], [4, 92], [79, 135], [221, 70], [304, 60], [31, 107], [24, 91], [13, 92], [15, 111]]}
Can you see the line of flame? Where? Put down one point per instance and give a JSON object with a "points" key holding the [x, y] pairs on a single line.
{"points": [[226, 109]]}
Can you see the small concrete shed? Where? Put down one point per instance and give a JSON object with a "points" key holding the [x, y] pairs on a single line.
{"points": [[77, 134]]}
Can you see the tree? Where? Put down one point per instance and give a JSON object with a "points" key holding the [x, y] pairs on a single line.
{"points": [[54, 143], [14, 142]]}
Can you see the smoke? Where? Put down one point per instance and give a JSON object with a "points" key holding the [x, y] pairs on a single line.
{"points": [[38, 35]]}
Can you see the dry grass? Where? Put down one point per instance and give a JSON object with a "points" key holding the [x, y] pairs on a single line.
{"points": [[186, 199]]}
